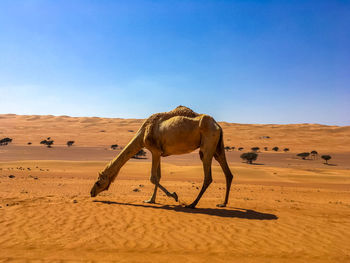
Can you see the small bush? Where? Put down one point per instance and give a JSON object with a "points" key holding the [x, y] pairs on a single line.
{"points": [[303, 155], [114, 146], [275, 149], [326, 157], [47, 142], [286, 150], [255, 149], [5, 141], [240, 148], [249, 157], [70, 143], [139, 154], [314, 154]]}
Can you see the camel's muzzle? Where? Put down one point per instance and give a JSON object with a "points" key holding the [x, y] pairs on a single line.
{"points": [[93, 192]]}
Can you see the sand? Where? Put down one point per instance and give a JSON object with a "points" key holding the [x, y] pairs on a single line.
{"points": [[282, 209]]}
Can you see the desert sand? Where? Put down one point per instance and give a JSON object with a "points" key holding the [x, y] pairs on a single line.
{"points": [[282, 209]]}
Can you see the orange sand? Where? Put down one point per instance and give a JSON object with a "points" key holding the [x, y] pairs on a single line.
{"points": [[283, 210]]}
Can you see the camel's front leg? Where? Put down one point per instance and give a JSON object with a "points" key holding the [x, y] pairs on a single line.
{"points": [[155, 179]]}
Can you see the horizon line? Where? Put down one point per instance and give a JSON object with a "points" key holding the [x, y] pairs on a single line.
{"points": [[220, 121]]}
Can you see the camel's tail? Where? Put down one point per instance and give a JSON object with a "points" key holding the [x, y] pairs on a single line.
{"points": [[220, 146]]}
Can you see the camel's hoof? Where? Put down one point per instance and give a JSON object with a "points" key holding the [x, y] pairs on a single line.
{"points": [[174, 195], [221, 205], [150, 201]]}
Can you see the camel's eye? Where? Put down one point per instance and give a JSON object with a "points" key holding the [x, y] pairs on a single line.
{"points": [[98, 183]]}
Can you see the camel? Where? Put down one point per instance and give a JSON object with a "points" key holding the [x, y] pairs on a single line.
{"points": [[175, 132]]}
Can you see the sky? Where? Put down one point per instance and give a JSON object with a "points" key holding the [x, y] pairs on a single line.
{"points": [[238, 61]]}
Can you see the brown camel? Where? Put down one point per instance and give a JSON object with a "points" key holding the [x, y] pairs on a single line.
{"points": [[175, 132]]}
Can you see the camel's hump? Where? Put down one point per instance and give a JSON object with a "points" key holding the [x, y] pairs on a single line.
{"points": [[178, 111], [183, 111]]}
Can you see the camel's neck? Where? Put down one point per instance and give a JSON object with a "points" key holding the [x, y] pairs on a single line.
{"points": [[113, 167]]}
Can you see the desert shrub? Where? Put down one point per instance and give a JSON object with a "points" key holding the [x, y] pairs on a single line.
{"points": [[275, 149], [255, 149], [47, 142], [29, 143], [70, 143], [240, 148], [5, 141], [326, 157], [266, 149], [249, 157], [314, 154], [232, 148], [139, 154], [114, 146], [286, 150], [303, 155], [227, 148]]}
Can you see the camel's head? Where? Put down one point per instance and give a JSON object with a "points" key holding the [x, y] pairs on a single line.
{"points": [[102, 184]]}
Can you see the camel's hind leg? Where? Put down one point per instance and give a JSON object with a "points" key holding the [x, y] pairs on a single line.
{"points": [[155, 179], [210, 138], [207, 180], [221, 158]]}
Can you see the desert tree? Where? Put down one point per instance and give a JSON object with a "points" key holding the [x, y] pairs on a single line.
{"points": [[314, 154], [240, 148], [255, 149], [275, 149], [227, 148], [326, 157], [286, 150], [48, 143], [266, 149], [114, 146], [70, 143], [249, 157], [141, 153], [232, 148], [5, 141], [303, 155]]}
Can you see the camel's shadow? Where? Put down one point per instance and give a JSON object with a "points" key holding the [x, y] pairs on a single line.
{"points": [[232, 213]]}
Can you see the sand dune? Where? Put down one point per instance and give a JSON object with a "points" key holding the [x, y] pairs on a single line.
{"points": [[281, 210], [94, 131]]}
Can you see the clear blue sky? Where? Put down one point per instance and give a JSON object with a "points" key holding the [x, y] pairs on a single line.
{"points": [[239, 61]]}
